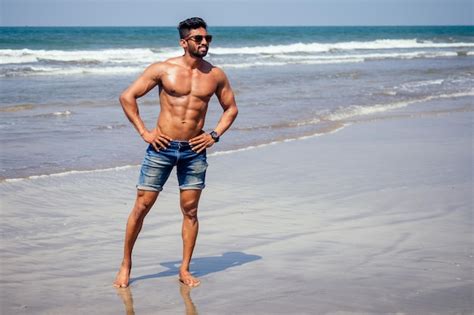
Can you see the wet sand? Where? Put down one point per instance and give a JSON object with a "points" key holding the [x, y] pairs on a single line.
{"points": [[373, 219]]}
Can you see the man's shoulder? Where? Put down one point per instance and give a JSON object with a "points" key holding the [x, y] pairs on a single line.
{"points": [[173, 61], [216, 69], [160, 65], [156, 67], [159, 68], [218, 73]]}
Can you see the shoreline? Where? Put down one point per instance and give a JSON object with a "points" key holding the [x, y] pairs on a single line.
{"points": [[368, 115]]}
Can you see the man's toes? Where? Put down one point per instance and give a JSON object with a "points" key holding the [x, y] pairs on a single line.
{"points": [[187, 282], [120, 285]]}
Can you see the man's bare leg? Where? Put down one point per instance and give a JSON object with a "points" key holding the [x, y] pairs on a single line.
{"points": [[143, 204], [189, 200]]}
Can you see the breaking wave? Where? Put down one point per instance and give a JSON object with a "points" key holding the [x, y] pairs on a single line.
{"points": [[29, 62]]}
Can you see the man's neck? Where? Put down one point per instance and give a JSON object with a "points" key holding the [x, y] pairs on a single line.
{"points": [[192, 62]]}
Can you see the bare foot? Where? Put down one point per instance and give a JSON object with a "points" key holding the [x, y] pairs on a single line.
{"points": [[186, 278], [123, 276]]}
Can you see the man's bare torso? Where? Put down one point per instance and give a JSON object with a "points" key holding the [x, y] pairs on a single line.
{"points": [[186, 84], [184, 96]]}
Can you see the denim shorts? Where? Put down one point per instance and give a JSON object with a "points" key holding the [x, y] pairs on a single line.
{"points": [[157, 165]]}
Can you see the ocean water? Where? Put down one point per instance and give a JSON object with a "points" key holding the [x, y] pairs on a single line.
{"points": [[59, 109]]}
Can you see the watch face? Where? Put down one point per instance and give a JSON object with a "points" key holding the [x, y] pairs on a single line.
{"points": [[214, 136]]}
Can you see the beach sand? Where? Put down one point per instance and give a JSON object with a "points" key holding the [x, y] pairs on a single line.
{"points": [[373, 219]]}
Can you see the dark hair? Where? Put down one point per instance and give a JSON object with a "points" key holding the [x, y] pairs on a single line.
{"points": [[187, 25]]}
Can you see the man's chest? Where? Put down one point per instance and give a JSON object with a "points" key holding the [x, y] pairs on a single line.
{"points": [[192, 83]]}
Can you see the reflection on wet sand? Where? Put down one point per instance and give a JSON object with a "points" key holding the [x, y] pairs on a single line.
{"points": [[203, 267], [127, 299], [185, 291]]}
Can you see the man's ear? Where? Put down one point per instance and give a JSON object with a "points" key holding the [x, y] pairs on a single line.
{"points": [[183, 43]]}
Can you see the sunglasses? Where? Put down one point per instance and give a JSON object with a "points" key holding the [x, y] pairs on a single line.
{"points": [[199, 38]]}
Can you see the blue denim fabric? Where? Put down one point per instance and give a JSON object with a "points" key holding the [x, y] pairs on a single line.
{"points": [[157, 165]]}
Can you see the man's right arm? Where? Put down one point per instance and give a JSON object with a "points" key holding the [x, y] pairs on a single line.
{"points": [[128, 99]]}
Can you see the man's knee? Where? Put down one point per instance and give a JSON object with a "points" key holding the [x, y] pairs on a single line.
{"points": [[189, 203], [190, 209], [144, 202]]}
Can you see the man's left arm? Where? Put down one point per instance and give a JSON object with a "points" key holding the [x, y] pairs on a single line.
{"points": [[226, 98]]}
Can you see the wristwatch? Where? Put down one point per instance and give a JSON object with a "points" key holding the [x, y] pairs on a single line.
{"points": [[214, 136]]}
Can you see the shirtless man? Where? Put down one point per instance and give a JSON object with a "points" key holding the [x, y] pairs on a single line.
{"points": [[186, 84]]}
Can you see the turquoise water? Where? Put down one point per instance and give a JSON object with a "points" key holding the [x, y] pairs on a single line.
{"points": [[59, 110], [76, 38]]}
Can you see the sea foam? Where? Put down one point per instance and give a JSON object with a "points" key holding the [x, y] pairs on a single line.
{"points": [[358, 110]]}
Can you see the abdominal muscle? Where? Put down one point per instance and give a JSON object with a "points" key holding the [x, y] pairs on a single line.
{"points": [[183, 120]]}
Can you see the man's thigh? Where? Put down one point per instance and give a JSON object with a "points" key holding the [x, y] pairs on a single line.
{"points": [[156, 169], [191, 170]]}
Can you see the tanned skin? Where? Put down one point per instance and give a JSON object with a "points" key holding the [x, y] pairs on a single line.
{"points": [[186, 84]]}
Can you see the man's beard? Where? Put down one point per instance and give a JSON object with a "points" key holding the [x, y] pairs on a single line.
{"points": [[197, 53]]}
